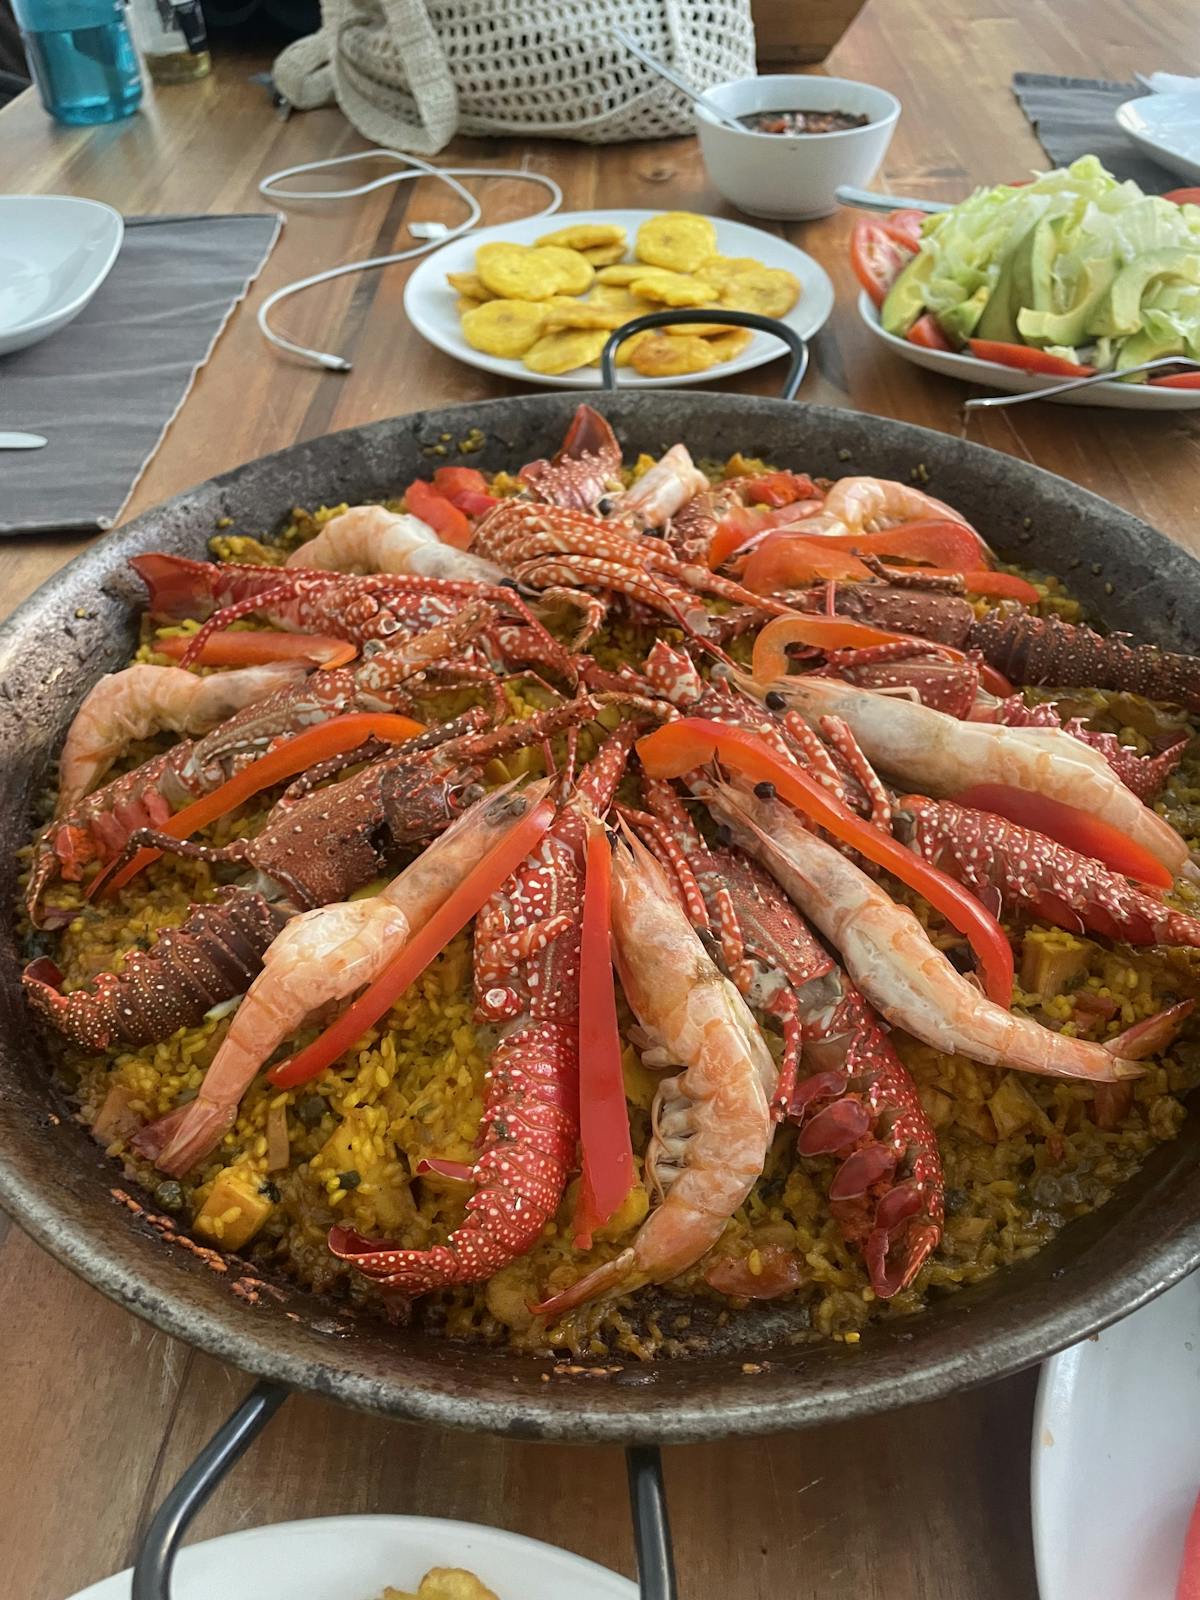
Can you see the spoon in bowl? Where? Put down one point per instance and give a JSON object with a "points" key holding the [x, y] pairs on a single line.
{"points": [[673, 78]]}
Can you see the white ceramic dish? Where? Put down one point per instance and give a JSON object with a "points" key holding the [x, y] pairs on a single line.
{"points": [[55, 252], [1116, 1455], [794, 176], [988, 375], [356, 1558], [1167, 126], [429, 300]]}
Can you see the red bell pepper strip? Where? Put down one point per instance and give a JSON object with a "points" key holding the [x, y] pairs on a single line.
{"points": [[605, 1145], [285, 761], [244, 647], [682, 746], [934, 541], [771, 660], [409, 962], [789, 561], [1078, 830], [1176, 380], [1183, 197], [446, 520], [779, 488], [1027, 359], [1187, 1585], [927, 332], [992, 585]]}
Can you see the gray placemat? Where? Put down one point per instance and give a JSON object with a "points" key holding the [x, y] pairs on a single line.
{"points": [[105, 389], [1075, 117]]}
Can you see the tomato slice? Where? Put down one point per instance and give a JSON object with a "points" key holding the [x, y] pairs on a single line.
{"points": [[876, 257], [1177, 380], [1026, 359], [927, 332], [453, 481], [410, 961], [779, 488], [1078, 830], [606, 1150], [446, 520], [1187, 1586], [904, 227], [787, 561], [690, 742], [1183, 197]]}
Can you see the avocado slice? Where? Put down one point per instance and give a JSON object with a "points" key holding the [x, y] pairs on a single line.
{"points": [[1157, 337], [960, 321], [905, 300], [1119, 313], [1015, 287], [1070, 326]]}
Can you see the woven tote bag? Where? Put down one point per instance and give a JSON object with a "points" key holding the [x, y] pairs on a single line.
{"points": [[410, 74]]}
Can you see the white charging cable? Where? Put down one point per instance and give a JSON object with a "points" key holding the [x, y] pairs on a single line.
{"points": [[416, 168]]}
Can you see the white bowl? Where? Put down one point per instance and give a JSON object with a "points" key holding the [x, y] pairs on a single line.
{"points": [[55, 252], [793, 176]]}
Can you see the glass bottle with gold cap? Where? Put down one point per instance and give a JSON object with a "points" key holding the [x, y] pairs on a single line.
{"points": [[172, 38]]}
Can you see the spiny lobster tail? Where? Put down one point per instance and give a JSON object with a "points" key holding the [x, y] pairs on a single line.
{"points": [[211, 957], [1039, 650], [177, 587], [943, 618], [1014, 869]]}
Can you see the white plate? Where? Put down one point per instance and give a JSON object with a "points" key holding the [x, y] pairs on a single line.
{"points": [[1116, 1455], [55, 252], [356, 1558], [1167, 126], [429, 300], [987, 374]]}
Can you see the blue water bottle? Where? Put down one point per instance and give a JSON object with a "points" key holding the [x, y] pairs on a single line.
{"points": [[82, 58]]}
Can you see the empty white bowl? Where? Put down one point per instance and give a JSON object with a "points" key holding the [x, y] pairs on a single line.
{"points": [[793, 176], [55, 252]]}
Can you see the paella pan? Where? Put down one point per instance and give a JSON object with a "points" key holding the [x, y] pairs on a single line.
{"points": [[728, 671]]}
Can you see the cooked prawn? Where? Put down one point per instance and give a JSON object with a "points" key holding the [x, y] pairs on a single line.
{"points": [[663, 490], [891, 958], [373, 539], [144, 700], [712, 1123], [867, 505], [937, 754], [325, 955]]}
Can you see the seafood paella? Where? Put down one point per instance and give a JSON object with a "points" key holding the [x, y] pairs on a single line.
{"points": [[571, 905]]}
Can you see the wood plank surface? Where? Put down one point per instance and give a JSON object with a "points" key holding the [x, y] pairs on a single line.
{"points": [[101, 1412]]}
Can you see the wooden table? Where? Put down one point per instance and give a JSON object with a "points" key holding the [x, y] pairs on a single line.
{"points": [[102, 1413]]}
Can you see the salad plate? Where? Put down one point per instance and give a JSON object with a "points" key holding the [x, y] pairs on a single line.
{"points": [[990, 375], [1167, 126]]}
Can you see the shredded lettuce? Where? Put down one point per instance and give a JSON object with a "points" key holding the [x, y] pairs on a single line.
{"points": [[1096, 227]]}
